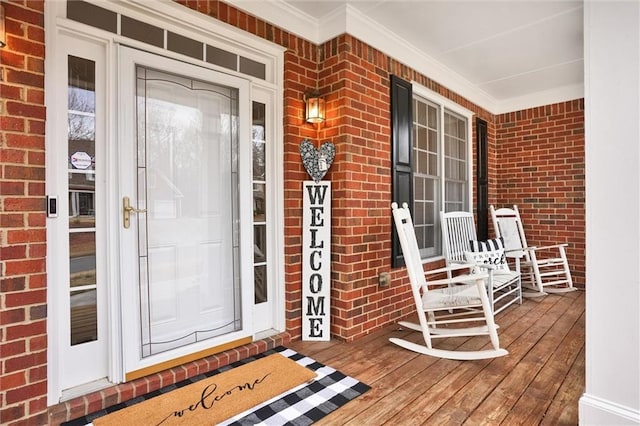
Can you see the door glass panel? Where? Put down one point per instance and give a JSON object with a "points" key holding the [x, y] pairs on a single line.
{"points": [[81, 169], [259, 203], [188, 215], [84, 327], [82, 249]]}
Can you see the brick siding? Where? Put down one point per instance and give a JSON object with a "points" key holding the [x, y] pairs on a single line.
{"points": [[23, 342]]}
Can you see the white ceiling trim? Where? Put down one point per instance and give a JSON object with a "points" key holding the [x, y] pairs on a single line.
{"points": [[363, 28], [563, 94], [347, 19], [277, 12]]}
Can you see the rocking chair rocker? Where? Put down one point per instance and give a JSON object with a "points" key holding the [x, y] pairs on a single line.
{"points": [[453, 302]]}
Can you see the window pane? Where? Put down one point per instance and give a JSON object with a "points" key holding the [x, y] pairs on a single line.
{"points": [[448, 170], [259, 202], [84, 318], [424, 164], [462, 128], [260, 277], [421, 113], [433, 164], [450, 146], [260, 246], [258, 142], [81, 125], [260, 257], [430, 236], [450, 125], [433, 116], [82, 262], [418, 214], [433, 141], [422, 136], [418, 189], [430, 190], [420, 235], [429, 216], [462, 170], [462, 149]]}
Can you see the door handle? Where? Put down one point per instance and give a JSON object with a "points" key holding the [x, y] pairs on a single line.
{"points": [[127, 209]]}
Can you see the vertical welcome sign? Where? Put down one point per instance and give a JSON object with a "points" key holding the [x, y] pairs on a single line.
{"points": [[316, 260]]}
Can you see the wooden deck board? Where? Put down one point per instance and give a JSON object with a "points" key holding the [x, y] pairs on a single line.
{"points": [[527, 354], [542, 389], [539, 382]]}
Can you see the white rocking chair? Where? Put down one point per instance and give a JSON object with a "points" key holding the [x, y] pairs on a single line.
{"points": [[447, 305], [544, 269], [503, 285]]}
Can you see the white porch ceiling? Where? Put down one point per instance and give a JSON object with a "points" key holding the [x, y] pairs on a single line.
{"points": [[502, 55]]}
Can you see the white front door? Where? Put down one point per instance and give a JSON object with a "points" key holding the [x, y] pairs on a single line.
{"points": [[185, 188]]}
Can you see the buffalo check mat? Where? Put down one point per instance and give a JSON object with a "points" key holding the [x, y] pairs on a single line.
{"points": [[302, 405]]}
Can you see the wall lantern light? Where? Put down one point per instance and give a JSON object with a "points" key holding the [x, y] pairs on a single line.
{"points": [[314, 108], [3, 34]]}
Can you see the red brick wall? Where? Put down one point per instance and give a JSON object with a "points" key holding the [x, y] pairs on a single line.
{"points": [[541, 167], [23, 310]]}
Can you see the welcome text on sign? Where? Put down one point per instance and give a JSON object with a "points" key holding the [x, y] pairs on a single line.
{"points": [[316, 267]]}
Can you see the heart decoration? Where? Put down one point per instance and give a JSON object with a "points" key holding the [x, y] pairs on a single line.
{"points": [[317, 161]]}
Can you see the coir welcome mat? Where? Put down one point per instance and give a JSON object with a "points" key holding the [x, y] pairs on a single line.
{"points": [[301, 405], [214, 399]]}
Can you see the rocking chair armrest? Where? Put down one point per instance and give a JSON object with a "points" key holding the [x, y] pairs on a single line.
{"points": [[550, 247], [486, 266], [459, 279], [454, 267], [536, 248], [515, 250]]}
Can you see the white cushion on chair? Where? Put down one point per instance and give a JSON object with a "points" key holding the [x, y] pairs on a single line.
{"points": [[455, 296]]}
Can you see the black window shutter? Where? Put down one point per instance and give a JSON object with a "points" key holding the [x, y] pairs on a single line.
{"points": [[401, 151], [482, 179]]}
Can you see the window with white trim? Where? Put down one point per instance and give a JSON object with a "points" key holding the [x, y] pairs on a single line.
{"points": [[440, 164], [431, 161]]}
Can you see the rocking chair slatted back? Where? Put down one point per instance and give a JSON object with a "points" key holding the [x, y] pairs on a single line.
{"points": [[507, 224], [410, 249], [460, 230]]}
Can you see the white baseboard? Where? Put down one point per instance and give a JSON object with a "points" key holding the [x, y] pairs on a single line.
{"points": [[597, 411]]}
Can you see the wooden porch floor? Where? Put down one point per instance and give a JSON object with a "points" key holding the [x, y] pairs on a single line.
{"points": [[539, 382]]}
